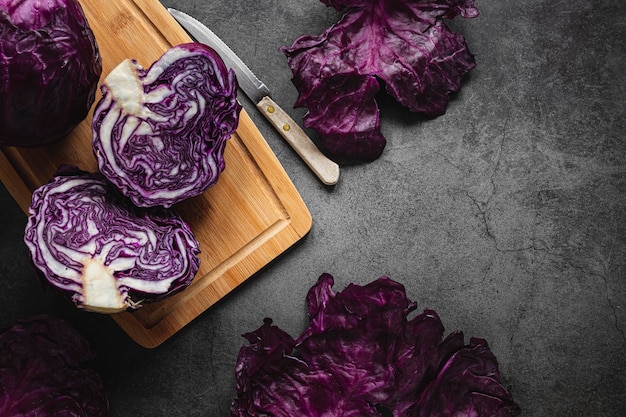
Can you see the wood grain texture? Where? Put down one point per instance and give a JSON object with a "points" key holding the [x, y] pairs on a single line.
{"points": [[252, 215]]}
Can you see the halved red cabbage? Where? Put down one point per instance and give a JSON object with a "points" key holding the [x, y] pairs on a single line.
{"points": [[49, 70], [43, 372], [362, 356], [159, 134], [93, 245]]}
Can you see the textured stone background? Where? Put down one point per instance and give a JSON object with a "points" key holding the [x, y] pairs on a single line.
{"points": [[506, 215]]}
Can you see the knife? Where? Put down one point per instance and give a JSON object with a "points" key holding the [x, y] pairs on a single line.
{"points": [[325, 169]]}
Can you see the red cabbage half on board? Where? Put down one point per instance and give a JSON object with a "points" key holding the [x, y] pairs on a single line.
{"points": [[159, 134], [92, 244], [402, 45], [49, 70], [43, 372], [362, 356]]}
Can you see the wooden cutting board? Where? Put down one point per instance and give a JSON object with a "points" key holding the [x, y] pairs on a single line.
{"points": [[249, 218]]}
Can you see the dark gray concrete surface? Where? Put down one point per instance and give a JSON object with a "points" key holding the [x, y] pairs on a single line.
{"points": [[506, 215]]}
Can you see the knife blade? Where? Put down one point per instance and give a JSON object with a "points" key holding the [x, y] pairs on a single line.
{"points": [[325, 169]]}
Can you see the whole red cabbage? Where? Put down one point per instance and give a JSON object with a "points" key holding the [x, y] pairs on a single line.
{"points": [[43, 372], [159, 134], [93, 245], [362, 356], [49, 70], [403, 45]]}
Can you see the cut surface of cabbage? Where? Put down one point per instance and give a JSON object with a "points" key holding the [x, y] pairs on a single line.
{"points": [[159, 134], [107, 255]]}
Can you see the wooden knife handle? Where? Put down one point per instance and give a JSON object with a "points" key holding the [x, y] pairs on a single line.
{"points": [[325, 169]]}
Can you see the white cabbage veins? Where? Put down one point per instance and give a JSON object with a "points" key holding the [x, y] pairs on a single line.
{"points": [[91, 243], [159, 134]]}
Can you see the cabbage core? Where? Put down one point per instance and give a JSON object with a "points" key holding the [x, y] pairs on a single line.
{"points": [[101, 291]]}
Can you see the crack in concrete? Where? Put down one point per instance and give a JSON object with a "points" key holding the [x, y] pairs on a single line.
{"points": [[557, 256], [606, 267], [483, 217], [614, 309], [605, 283], [482, 206], [448, 161]]}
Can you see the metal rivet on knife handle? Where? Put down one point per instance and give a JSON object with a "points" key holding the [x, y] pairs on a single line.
{"points": [[325, 169]]}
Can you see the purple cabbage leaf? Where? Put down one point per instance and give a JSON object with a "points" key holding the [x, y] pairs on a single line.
{"points": [[362, 356], [159, 134], [43, 371], [49, 70], [94, 246], [401, 45]]}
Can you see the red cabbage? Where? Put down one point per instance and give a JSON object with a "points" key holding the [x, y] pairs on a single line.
{"points": [[159, 134], [94, 246], [402, 45], [49, 70], [43, 372], [362, 356]]}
